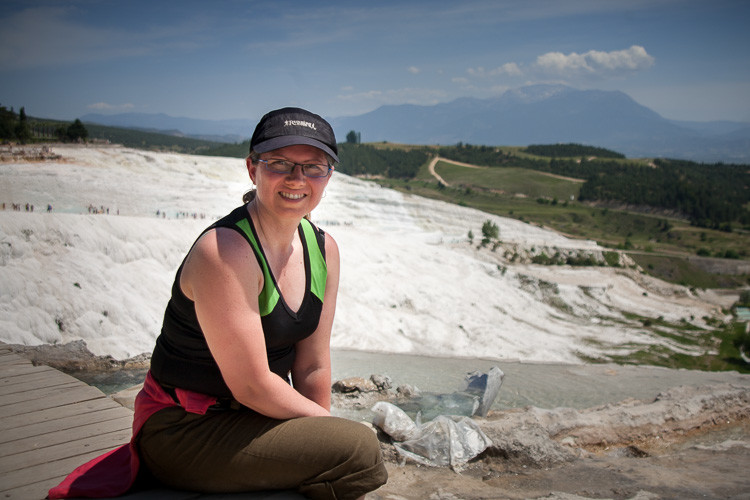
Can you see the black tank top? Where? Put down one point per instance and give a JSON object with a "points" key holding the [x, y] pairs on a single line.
{"points": [[181, 357]]}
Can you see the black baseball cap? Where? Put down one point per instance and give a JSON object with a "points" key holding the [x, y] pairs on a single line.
{"points": [[292, 126]]}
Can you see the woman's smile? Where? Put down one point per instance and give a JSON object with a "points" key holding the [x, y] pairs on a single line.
{"points": [[292, 196]]}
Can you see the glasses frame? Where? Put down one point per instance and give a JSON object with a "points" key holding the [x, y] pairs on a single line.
{"points": [[295, 164]]}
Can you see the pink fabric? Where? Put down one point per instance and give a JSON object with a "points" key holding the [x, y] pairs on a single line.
{"points": [[113, 473]]}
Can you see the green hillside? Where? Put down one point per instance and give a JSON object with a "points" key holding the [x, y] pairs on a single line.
{"points": [[662, 239], [511, 180]]}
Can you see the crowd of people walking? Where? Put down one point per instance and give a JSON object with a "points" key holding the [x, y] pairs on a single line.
{"points": [[101, 209]]}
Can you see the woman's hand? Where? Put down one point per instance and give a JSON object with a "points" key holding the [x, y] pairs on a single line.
{"points": [[222, 277], [311, 373]]}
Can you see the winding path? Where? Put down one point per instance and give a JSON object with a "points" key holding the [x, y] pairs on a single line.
{"points": [[436, 159], [433, 162]]}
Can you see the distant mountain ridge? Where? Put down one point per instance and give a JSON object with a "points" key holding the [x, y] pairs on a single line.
{"points": [[549, 114], [213, 130], [536, 114]]}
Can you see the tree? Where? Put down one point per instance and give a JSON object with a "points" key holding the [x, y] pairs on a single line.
{"points": [[490, 232], [7, 123], [23, 133], [353, 137], [77, 131]]}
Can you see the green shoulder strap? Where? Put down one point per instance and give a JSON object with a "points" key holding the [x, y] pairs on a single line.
{"points": [[318, 268], [269, 296]]}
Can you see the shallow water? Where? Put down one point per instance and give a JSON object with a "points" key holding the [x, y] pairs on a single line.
{"points": [[529, 384], [525, 384]]}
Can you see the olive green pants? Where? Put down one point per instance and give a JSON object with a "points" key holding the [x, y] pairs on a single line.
{"points": [[241, 450]]}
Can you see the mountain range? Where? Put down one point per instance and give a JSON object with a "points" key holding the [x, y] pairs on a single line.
{"points": [[536, 114]]}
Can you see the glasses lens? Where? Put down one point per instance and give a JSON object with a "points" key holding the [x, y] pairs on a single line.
{"points": [[315, 170], [280, 166]]}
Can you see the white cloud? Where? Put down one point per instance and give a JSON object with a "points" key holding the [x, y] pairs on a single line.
{"points": [[559, 66], [508, 69], [413, 70], [595, 63], [104, 106]]}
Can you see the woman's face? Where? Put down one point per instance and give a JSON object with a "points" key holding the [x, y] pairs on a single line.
{"points": [[292, 194]]}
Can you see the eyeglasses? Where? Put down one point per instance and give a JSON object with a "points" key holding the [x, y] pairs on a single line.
{"points": [[287, 167]]}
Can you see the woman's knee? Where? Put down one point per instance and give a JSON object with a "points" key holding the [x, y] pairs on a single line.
{"points": [[355, 462], [355, 441]]}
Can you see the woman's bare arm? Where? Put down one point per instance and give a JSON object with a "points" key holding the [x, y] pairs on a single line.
{"points": [[311, 373], [223, 278]]}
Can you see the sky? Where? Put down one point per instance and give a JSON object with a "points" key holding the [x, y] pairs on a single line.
{"points": [[237, 59]]}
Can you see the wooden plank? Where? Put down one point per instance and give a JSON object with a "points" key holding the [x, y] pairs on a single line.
{"points": [[36, 491], [11, 359], [55, 471], [11, 383], [59, 412], [56, 398], [18, 369], [36, 389], [63, 431], [34, 382], [49, 383], [29, 458]]}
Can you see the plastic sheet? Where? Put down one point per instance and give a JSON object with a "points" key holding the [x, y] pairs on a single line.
{"points": [[486, 386], [443, 441], [475, 397]]}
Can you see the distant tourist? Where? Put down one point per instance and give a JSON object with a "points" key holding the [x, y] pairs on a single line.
{"points": [[238, 397]]}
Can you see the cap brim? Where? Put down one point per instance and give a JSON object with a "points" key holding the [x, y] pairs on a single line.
{"points": [[293, 140]]}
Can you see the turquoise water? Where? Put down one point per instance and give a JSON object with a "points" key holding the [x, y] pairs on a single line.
{"points": [[525, 384]]}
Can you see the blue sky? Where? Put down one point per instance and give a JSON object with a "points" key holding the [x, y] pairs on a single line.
{"points": [[685, 59]]}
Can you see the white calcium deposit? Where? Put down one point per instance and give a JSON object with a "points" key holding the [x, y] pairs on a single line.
{"points": [[410, 280]]}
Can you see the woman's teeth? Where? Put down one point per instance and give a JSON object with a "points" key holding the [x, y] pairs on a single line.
{"points": [[292, 196]]}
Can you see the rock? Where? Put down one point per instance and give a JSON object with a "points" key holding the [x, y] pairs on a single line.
{"points": [[531, 446], [407, 391], [382, 382], [75, 357], [354, 384], [541, 437], [126, 397]]}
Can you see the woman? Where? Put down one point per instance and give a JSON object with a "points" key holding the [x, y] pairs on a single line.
{"points": [[239, 393], [262, 284]]}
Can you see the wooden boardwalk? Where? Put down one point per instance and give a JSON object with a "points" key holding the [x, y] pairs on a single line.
{"points": [[50, 423]]}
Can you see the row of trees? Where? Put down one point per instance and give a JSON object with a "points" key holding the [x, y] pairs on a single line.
{"points": [[363, 159], [571, 150], [488, 156], [14, 127], [709, 195], [18, 127]]}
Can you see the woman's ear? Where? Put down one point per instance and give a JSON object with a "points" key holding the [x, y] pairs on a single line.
{"points": [[251, 168]]}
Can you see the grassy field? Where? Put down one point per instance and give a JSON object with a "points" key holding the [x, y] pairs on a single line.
{"points": [[663, 245], [511, 180]]}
